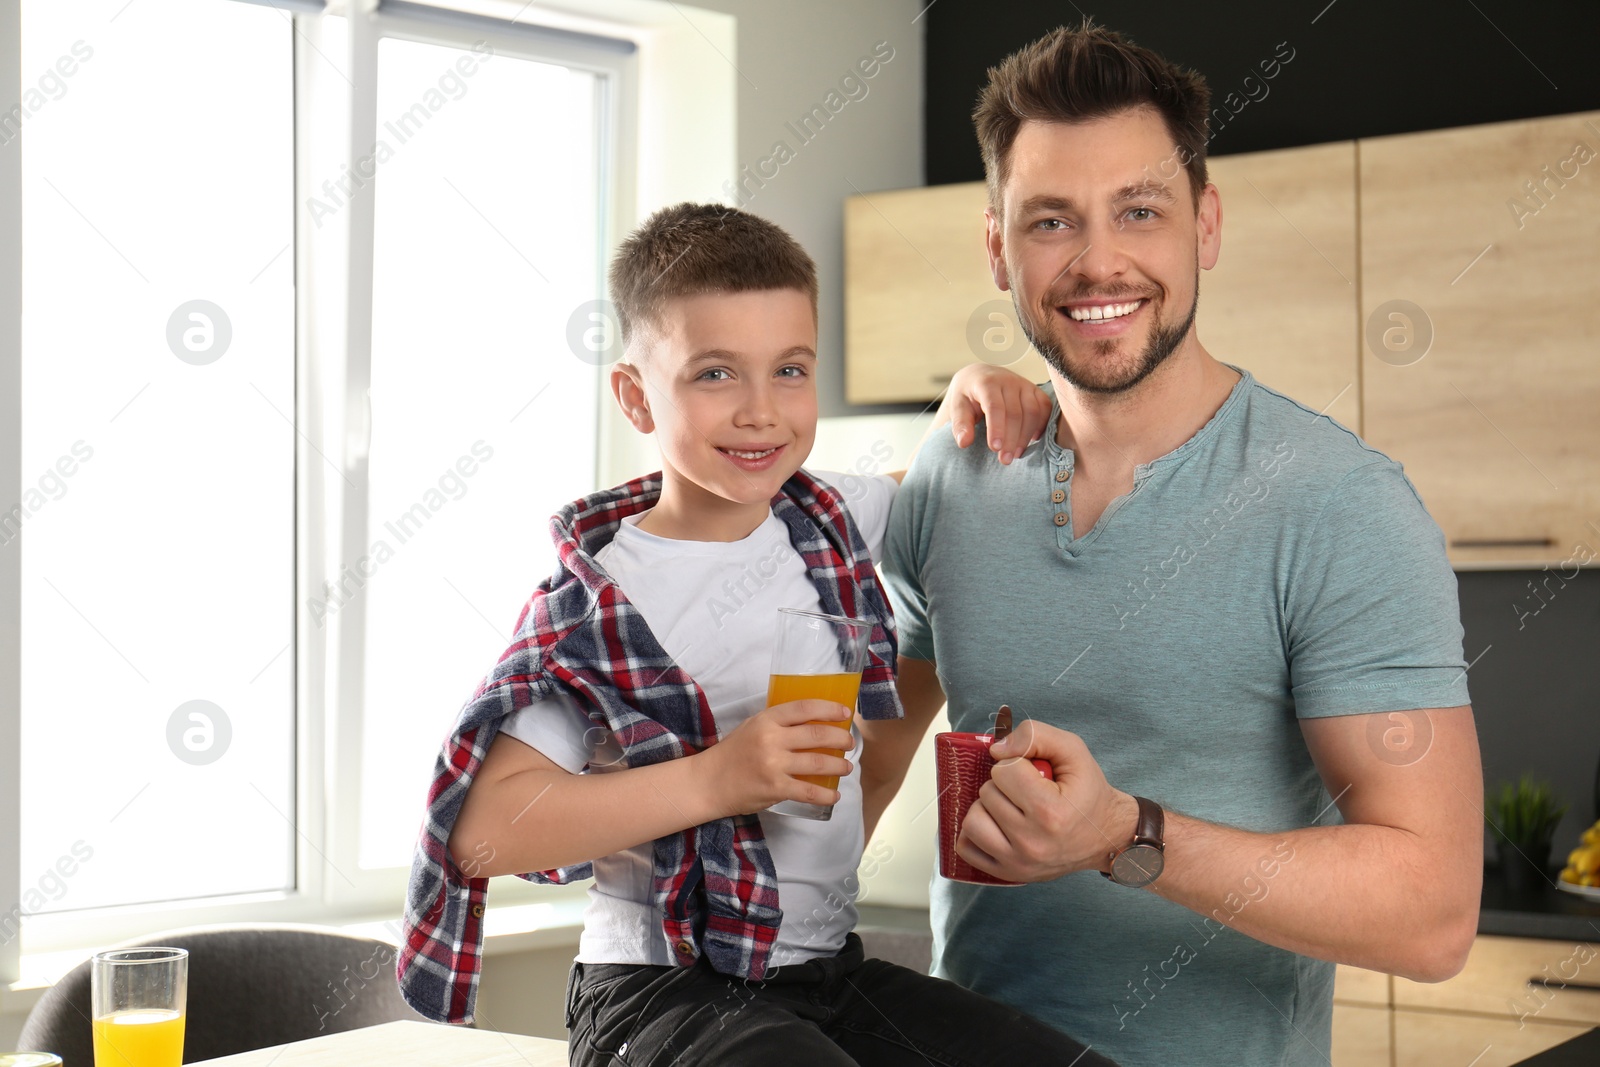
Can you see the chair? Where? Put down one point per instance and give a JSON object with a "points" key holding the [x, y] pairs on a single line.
{"points": [[250, 987]]}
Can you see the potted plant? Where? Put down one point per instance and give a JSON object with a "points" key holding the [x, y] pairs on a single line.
{"points": [[1523, 818]]}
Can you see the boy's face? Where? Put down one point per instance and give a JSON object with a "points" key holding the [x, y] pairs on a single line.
{"points": [[729, 384]]}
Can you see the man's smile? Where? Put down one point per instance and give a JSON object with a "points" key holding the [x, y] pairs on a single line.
{"points": [[1101, 318], [1102, 312]]}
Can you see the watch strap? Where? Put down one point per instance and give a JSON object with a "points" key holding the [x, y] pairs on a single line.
{"points": [[1151, 827], [1149, 830]]}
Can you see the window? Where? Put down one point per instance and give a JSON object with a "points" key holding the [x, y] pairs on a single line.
{"points": [[291, 437], [158, 385], [483, 420]]}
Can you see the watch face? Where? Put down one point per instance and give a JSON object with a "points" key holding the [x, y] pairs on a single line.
{"points": [[1137, 866]]}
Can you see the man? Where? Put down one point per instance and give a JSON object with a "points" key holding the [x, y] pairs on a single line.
{"points": [[1198, 592]]}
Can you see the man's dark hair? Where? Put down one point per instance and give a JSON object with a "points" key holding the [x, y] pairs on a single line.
{"points": [[1073, 75], [689, 248]]}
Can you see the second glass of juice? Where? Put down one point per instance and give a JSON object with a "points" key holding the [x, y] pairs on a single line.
{"points": [[139, 996], [817, 657]]}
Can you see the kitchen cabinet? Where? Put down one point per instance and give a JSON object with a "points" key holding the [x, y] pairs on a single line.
{"points": [[1425, 1039], [1354, 985], [1488, 238], [920, 302], [1499, 979], [1432, 291], [1362, 1018], [1360, 1036], [1281, 301], [1490, 1014], [917, 286]]}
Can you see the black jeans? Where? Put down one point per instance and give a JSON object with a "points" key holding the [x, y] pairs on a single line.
{"points": [[842, 1010]]}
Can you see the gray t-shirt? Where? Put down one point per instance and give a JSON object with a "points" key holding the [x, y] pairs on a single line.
{"points": [[1273, 567]]}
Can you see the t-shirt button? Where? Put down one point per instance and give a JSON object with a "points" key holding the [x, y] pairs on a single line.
{"points": [[1061, 518], [683, 948], [477, 911], [1062, 476], [1059, 495]]}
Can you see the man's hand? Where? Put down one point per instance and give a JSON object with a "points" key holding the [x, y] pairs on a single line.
{"points": [[1025, 828], [759, 763], [1407, 862], [1015, 412]]}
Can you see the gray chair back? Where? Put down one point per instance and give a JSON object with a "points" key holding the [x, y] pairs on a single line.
{"points": [[250, 987]]}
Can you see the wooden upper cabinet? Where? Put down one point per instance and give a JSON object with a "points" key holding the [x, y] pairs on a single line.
{"points": [[1435, 292], [917, 282], [1281, 301], [1488, 238], [920, 302]]}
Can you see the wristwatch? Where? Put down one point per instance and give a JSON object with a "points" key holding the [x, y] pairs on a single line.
{"points": [[1140, 863]]}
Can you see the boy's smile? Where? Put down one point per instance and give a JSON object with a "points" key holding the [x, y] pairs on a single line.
{"points": [[727, 384]]}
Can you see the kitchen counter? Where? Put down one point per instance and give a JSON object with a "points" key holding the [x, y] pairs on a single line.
{"points": [[1582, 1051], [1546, 913]]}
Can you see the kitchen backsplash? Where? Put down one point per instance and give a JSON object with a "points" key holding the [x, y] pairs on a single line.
{"points": [[1535, 636]]}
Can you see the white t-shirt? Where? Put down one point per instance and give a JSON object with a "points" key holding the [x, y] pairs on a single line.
{"points": [[713, 605]]}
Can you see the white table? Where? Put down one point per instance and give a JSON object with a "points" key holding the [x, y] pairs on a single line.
{"points": [[423, 1044]]}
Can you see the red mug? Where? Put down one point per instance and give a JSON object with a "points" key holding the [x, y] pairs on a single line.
{"points": [[963, 764]]}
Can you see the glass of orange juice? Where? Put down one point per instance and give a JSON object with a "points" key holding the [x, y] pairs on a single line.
{"points": [[139, 997], [817, 657]]}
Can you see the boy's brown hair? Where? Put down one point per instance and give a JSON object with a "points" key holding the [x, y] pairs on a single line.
{"points": [[1073, 75], [689, 248]]}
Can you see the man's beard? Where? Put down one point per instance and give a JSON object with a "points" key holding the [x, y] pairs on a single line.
{"points": [[1164, 340]]}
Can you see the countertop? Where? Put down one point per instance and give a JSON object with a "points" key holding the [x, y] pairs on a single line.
{"points": [[1581, 1051], [1546, 912]]}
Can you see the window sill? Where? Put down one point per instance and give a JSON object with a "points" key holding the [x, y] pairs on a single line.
{"points": [[508, 929]]}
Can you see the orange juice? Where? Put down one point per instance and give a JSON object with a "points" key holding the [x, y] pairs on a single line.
{"points": [[139, 1039], [839, 688]]}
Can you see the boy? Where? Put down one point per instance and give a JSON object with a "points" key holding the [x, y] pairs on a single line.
{"points": [[716, 932]]}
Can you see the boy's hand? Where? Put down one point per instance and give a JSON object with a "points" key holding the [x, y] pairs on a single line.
{"points": [[758, 764], [1015, 412]]}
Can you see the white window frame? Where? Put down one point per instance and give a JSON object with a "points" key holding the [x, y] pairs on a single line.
{"points": [[10, 485], [337, 653], [691, 106]]}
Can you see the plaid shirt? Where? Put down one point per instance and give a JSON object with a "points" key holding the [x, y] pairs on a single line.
{"points": [[715, 886]]}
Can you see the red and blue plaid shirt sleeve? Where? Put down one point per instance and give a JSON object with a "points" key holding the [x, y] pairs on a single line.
{"points": [[439, 958]]}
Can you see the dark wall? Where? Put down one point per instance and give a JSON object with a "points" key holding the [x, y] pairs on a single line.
{"points": [[1360, 68], [1536, 690]]}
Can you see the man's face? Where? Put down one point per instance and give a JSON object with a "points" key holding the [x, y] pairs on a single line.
{"points": [[730, 381], [1101, 246]]}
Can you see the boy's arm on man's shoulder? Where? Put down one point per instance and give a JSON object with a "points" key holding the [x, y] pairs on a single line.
{"points": [[888, 745], [1014, 411]]}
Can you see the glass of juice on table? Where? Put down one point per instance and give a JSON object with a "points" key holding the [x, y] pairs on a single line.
{"points": [[817, 657], [139, 996]]}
